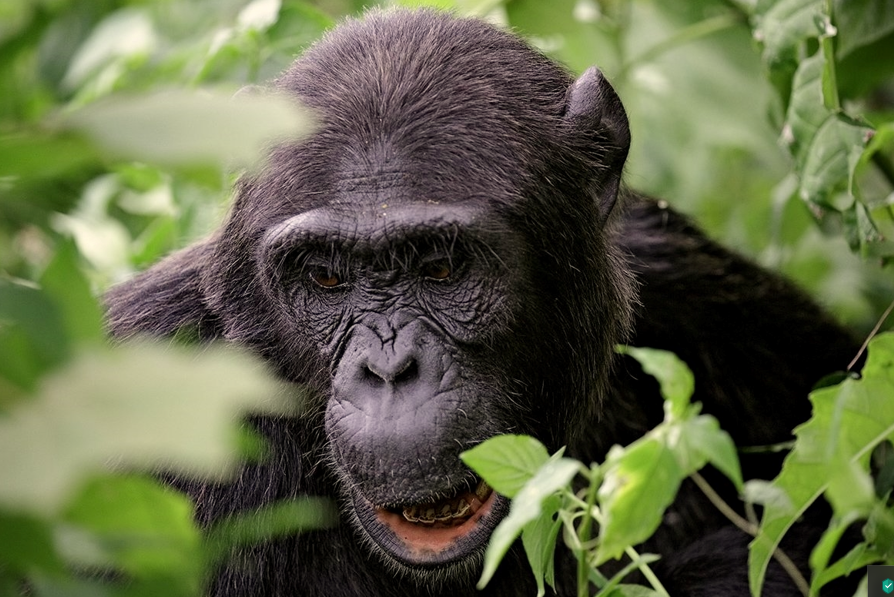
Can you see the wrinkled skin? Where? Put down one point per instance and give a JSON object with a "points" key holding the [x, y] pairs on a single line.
{"points": [[451, 256]]}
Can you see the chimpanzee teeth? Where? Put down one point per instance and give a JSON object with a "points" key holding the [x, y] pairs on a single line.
{"points": [[450, 511], [483, 490]]}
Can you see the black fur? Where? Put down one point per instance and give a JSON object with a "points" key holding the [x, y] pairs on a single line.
{"points": [[444, 142]]}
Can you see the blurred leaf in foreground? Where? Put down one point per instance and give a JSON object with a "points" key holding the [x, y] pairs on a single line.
{"points": [[140, 405], [183, 127]]}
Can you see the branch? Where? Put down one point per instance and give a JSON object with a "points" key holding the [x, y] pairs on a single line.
{"points": [[752, 530]]}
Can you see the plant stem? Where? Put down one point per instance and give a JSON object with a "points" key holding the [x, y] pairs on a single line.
{"points": [[830, 79], [647, 572], [583, 567], [752, 530], [871, 335]]}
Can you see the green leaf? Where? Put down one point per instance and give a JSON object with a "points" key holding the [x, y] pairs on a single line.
{"points": [[837, 145], [855, 560], [279, 519], [862, 22], [69, 289], [673, 375], [806, 111], [704, 441], [782, 25], [32, 155], [640, 483], [526, 507], [141, 406], [32, 336], [26, 545], [848, 421], [850, 490], [179, 127], [879, 529], [507, 462], [539, 539], [123, 33], [135, 525]]}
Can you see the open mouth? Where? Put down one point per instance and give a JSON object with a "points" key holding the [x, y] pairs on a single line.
{"points": [[436, 532], [450, 512]]}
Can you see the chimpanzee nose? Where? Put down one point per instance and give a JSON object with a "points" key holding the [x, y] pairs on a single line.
{"points": [[394, 371], [404, 369]]}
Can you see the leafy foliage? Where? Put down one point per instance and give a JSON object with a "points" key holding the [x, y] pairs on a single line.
{"points": [[832, 457], [627, 494], [119, 140]]}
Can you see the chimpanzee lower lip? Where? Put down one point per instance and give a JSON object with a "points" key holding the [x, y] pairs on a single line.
{"points": [[428, 541]]}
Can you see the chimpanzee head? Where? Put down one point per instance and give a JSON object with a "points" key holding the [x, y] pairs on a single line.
{"points": [[433, 259]]}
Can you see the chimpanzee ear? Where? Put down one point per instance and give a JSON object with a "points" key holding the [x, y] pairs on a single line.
{"points": [[166, 299], [599, 127]]}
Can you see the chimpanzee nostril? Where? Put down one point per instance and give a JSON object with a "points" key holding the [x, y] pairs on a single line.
{"points": [[370, 376], [409, 373]]}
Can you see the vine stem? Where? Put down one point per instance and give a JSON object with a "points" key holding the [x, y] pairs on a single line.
{"points": [[583, 568], [751, 529], [871, 335], [647, 572]]}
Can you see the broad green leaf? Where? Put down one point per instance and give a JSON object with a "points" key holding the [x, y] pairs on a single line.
{"points": [[26, 544], [848, 421], [141, 406], [850, 490], [781, 26], [640, 482], [705, 441], [806, 112], [855, 560], [42, 155], [526, 507], [823, 550], [180, 127], [861, 22], [32, 334], [507, 462], [879, 529], [124, 33], [66, 285], [539, 539], [135, 525], [279, 519], [838, 143], [673, 375]]}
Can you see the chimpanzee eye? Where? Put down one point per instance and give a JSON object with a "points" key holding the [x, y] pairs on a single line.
{"points": [[325, 278], [439, 269]]}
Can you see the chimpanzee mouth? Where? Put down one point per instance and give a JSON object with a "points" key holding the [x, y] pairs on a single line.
{"points": [[436, 532]]}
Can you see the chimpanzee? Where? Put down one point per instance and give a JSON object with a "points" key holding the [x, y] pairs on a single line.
{"points": [[451, 256]]}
